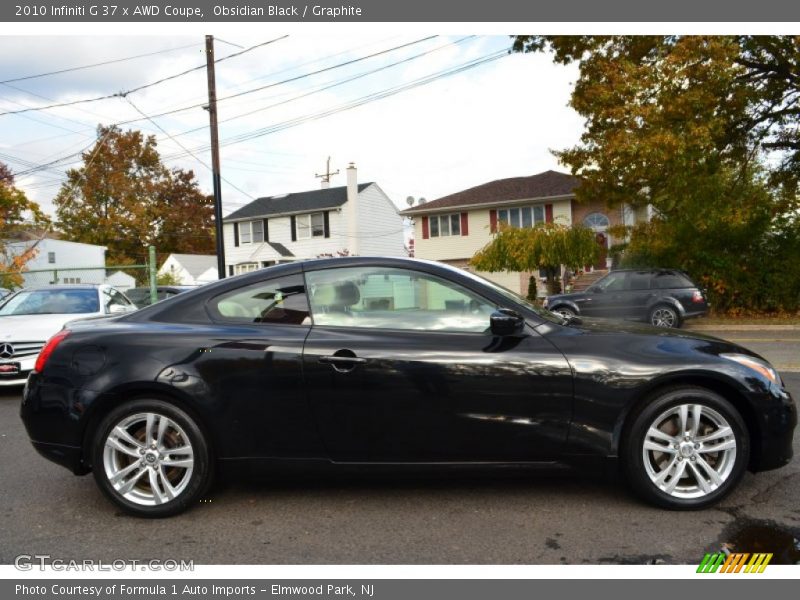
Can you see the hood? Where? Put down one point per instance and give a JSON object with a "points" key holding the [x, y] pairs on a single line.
{"points": [[32, 328]]}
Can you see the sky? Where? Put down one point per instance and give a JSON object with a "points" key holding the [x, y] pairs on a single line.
{"points": [[498, 119]]}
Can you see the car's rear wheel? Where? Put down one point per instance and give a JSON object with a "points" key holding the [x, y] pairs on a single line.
{"points": [[686, 449], [664, 316], [151, 458], [565, 312]]}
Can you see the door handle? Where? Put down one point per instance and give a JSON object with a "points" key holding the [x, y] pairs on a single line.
{"points": [[342, 360]]}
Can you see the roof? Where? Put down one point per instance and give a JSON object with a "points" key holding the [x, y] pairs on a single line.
{"points": [[196, 264], [280, 249], [550, 184], [298, 202]]}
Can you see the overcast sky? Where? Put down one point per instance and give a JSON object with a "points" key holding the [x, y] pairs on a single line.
{"points": [[499, 119]]}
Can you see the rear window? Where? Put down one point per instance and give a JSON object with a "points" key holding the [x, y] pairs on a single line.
{"points": [[46, 302], [669, 280]]}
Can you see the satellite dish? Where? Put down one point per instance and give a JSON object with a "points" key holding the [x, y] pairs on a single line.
{"points": [[410, 200], [421, 201]]}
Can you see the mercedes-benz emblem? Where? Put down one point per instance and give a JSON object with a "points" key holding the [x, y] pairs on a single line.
{"points": [[6, 350]]}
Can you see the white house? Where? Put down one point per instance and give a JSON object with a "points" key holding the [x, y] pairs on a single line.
{"points": [[356, 219], [191, 269], [60, 261], [121, 281]]}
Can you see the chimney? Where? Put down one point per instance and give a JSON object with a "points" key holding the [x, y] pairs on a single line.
{"points": [[352, 209]]}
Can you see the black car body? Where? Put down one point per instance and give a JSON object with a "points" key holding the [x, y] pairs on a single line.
{"points": [[380, 361], [661, 297]]}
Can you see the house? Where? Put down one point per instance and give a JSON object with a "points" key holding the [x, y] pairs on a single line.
{"points": [[355, 219], [121, 281], [191, 269], [60, 261], [453, 228]]}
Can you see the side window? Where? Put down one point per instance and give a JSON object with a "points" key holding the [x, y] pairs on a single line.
{"points": [[388, 298], [639, 280], [665, 280], [282, 300], [613, 282]]}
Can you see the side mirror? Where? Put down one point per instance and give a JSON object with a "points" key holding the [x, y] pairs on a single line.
{"points": [[505, 322]]}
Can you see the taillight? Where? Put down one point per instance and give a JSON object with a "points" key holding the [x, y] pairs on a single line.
{"points": [[697, 297], [51, 345]]}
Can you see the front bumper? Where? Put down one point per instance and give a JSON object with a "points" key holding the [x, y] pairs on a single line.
{"points": [[777, 423], [20, 377]]}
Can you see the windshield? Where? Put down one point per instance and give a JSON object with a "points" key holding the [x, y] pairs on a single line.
{"points": [[45, 302], [514, 297]]}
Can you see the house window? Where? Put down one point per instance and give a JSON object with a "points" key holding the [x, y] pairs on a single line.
{"points": [[310, 226], [72, 279], [443, 225], [524, 216], [245, 268], [251, 232], [51, 257]]}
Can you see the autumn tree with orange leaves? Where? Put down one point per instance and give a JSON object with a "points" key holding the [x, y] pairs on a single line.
{"points": [[18, 215], [125, 198]]}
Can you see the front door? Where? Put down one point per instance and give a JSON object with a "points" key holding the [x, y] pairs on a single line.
{"points": [[399, 367]]}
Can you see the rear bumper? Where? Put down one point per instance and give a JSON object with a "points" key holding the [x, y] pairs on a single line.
{"points": [[66, 456]]}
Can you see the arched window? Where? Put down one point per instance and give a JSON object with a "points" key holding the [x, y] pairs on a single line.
{"points": [[596, 221]]}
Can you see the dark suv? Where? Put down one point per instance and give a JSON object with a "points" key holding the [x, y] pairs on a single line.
{"points": [[662, 297]]}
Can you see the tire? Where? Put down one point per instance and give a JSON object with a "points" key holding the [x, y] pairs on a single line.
{"points": [[158, 479], [564, 312], [664, 316], [705, 476]]}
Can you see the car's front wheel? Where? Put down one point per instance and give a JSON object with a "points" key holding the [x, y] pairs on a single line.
{"points": [[151, 458], [686, 449], [664, 316], [565, 312]]}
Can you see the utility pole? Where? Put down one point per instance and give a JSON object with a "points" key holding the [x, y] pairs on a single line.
{"points": [[212, 115], [326, 176]]}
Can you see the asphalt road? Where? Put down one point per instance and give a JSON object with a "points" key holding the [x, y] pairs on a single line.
{"points": [[456, 519]]}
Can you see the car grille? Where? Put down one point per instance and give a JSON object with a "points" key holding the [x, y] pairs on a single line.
{"points": [[21, 349]]}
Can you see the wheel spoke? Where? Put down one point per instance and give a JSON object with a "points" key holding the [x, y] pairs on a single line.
{"points": [[725, 445], [699, 478], [676, 477], [169, 491], [158, 495], [697, 411], [163, 424], [651, 445], [181, 450], [148, 436], [722, 432], [128, 485], [661, 477], [655, 432], [184, 463], [683, 416], [709, 470], [123, 473], [119, 446]]}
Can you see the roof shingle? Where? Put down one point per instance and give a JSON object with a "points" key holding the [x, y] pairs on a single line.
{"points": [[298, 202], [543, 185]]}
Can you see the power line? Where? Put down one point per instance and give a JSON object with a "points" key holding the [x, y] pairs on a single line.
{"points": [[100, 64], [141, 87]]}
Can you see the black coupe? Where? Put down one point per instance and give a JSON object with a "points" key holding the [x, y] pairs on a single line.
{"points": [[381, 361]]}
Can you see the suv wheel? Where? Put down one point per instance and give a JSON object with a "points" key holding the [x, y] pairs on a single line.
{"points": [[664, 316], [565, 312]]}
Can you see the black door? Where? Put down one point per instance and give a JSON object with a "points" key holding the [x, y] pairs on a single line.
{"points": [[606, 298], [399, 367]]}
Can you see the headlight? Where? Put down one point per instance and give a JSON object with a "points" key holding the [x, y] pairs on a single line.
{"points": [[761, 367]]}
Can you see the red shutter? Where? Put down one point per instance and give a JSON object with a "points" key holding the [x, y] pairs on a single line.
{"points": [[548, 213], [464, 224], [425, 228], [493, 221]]}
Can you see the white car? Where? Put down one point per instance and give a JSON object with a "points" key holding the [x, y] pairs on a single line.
{"points": [[29, 317]]}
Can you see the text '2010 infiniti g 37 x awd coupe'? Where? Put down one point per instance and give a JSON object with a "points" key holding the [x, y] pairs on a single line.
{"points": [[380, 361]]}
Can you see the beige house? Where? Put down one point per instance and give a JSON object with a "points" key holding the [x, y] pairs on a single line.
{"points": [[453, 228]]}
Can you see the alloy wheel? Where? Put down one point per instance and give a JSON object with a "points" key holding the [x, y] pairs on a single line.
{"points": [[689, 451], [148, 459], [663, 317]]}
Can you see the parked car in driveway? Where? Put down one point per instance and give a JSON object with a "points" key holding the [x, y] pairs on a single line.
{"points": [[661, 297], [140, 296], [31, 315], [374, 362]]}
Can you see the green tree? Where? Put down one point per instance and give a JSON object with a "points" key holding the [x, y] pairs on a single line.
{"points": [[703, 129], [546, 246], [124, 198], [18, 216]]}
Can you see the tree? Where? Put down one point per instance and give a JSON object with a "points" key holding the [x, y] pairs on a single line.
{"points": [[18, 215], [546, 246], [703, 129], [124, 198]]}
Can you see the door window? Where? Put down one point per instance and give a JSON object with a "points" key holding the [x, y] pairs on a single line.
{"points": [[389, 298], [639, 281], [613, 282], [282, 300]]}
